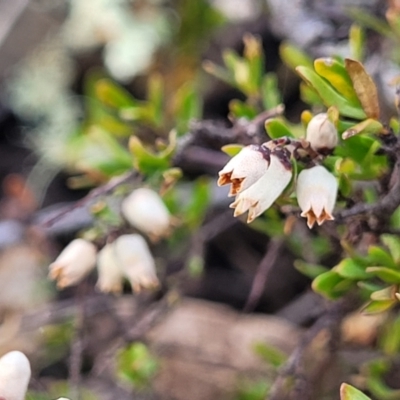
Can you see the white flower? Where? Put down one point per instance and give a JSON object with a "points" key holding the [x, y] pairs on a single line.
{"points": [[316, 194], [145, 210], [322, 133], [15, 372], [109, 270], [244, 169], [262, 194], [73, 263], [136, 261]]}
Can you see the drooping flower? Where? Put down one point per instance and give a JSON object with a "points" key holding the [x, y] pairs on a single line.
{"points": [[316, 192], [244, 169], [263, 193], [145, 210], [322, 133], [73, 263], [136, 261], [15, 373], [109, 270]]}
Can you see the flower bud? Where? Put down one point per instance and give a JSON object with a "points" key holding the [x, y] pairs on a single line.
{"points": [[145, 210], [73, 263], [244, 169], [263, 193], [109, 270], [316, 192], [136, 261], [15, 373], [322, 133]]}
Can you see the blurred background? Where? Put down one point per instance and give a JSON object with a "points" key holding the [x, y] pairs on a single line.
{"points": [[77, 79]]}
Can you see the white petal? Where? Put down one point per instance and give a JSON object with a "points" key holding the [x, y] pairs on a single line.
{"points": [[248, 166], [260, 196], [15, 373], [136, 261], [73, 263], [145, 210], [316, 192], [109, 270]]}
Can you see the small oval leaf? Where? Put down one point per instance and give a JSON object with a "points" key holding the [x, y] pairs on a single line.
{"points": [[365, 88]]}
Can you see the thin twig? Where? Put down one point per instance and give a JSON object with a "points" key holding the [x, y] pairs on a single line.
{"points": [[100, 191], [274, 248]]}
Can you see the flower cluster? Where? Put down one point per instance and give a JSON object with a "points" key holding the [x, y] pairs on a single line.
{"points": [[127, 257], [259, 174]]}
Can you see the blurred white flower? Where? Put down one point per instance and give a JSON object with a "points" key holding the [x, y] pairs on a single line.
{"points": [[109, 270], [322, 133], [145, 210], [244, 169], [73, 263], [15, 373], [136, 261], [316, 194], [262, 194]]}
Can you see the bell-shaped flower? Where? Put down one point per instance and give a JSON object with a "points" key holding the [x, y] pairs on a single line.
{"points": [[244, 169], [316, 192], [322, 133], [263, 193], [109, 270], [145, 210], [73, 263], [15, 373], [136, 261]]}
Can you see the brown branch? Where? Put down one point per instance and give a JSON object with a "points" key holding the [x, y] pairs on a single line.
{"points": [[274, 248], [295, 380], [100, 191]]}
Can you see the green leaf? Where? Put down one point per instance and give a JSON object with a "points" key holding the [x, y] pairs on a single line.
{"points": [[113, 95], [189, 107], [329, 95], [331, 285], [309, 95], [368, 126], [386, 274], [387, 293], [136, 365], [348, 392], [240, 109], [149, 162], [350, 269], [335, 73], [232, 149], [392, 242], [365, 88], [376, 307], [271, 355], [276, 128], [357, 42], [379, 256], [271, 95], [310, 270], [156, 98], [292, 56]]}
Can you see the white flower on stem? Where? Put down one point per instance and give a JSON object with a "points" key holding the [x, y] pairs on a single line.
{"points": [[136, 261], [322, 133], [145, 210], [316, 192], [73, 263], [109, 270], [15, 373], [244, 169], [263, 193]]}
